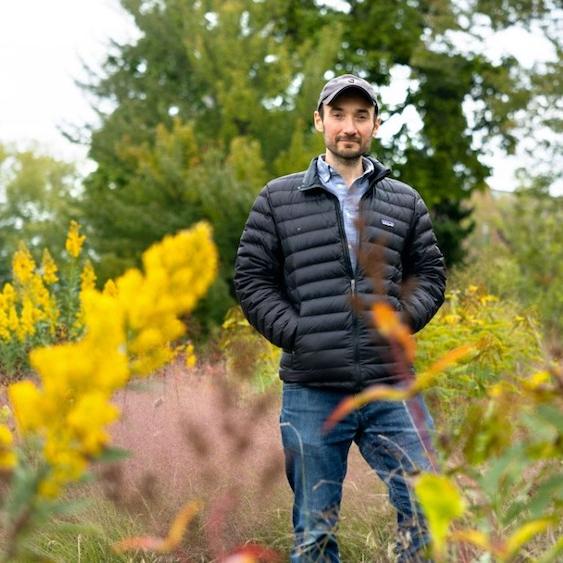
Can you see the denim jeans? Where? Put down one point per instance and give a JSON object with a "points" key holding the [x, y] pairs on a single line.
{"points": [[316, 464]]}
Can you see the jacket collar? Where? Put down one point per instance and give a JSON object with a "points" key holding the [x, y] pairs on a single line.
{"points": [[312, 180]]}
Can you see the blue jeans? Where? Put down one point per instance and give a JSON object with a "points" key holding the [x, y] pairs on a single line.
{"points": [[316, 464]]}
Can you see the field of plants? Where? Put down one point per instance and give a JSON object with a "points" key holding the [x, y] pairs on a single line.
{"points": [[139, 411], [118, 443]]}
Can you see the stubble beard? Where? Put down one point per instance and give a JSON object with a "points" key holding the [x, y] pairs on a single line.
{"points": [[348, 157]]}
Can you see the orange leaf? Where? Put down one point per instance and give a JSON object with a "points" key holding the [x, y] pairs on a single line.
{"points": [[163, 545], [425, 379], [146, 543], [252, 553], [373, 393], [389, 323]]}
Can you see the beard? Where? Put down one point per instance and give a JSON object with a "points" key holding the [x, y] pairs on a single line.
{"points": [[348, 149]]}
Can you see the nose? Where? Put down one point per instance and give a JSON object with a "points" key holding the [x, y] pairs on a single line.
{"points": [[349, 127]]}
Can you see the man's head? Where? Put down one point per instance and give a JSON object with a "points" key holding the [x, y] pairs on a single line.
{"points": [[347, 115], [346, 82]]}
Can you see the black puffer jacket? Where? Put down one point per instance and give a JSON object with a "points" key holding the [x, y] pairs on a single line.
{"points": [[294, 278]]}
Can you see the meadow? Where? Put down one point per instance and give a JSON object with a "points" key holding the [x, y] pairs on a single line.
{"points": [[121, 441]]}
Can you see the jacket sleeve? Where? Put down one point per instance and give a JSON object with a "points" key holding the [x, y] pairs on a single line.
{"points": [[259, 274], [424, 271]]}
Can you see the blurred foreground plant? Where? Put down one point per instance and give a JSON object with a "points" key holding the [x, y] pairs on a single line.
{"points": [[505, 450], [128, 330]]}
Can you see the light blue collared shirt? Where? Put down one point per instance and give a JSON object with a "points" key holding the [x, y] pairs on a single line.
{"points": [[349, 198]]}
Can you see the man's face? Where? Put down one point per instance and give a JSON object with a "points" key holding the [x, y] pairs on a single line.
{"points": [[348, 125]]}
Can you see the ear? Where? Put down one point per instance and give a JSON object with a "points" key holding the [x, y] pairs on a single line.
{"points": [[318, 122], [376, 126]]}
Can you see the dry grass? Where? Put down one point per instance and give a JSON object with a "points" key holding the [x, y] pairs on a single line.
{"points": [[193, 434]]}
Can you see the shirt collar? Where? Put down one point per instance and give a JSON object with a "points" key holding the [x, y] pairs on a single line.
{"points": [[326, 171]]}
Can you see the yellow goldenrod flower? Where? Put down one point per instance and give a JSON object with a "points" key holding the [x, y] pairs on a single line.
{"points": [[4, 326], [74, 240], [13, 320], [28, 317], [49, 268], [7, 455], [128, 330], [9, 295], [190, 358], [87, 277], [110, 288], [26, 405], [87, 421], [23, 264]]}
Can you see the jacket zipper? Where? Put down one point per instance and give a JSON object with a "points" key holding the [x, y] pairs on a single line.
{"points": [[355, 327]]}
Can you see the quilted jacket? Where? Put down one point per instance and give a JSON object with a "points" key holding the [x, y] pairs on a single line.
{"points": [[296, 286]]}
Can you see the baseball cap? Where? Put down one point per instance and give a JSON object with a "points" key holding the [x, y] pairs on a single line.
{"points": [[338, 84]]}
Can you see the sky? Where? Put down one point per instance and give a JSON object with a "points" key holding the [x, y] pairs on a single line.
{"points": [[43, 44]]}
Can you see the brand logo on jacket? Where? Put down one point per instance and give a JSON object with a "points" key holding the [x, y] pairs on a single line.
{"points": [[387, 223]]}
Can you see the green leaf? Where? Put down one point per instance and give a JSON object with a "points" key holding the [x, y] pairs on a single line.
{"points": [[549, 491], [113, 454], [441, 503], [552, 415]]}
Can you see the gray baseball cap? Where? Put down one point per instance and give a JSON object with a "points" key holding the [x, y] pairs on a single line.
{"points": [[338, 84]]}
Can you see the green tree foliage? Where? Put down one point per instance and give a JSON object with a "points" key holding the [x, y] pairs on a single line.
{"points": [[518, 251], [38, 197], [218, 95]]}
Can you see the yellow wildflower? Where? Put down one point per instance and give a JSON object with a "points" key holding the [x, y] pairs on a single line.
{"points": [[9, 295], [25, 399], [67, 465], [87, 420], [13, 319], [137, 316], [452, 319], [7, 456], [49, 268], [190, 359], [26, 325], [74, 240], [23, 264], [536, 380], [87, 277], [4, 326], [110, 288]]}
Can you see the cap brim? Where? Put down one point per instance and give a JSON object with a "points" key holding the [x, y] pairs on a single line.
{"points": [[345, 88]]}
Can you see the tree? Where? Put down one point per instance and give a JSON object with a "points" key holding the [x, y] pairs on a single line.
{"points": [[245, 74], [39, 196]]}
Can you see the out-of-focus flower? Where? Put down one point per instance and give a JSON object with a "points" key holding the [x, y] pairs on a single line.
{"points": [[128, 330], [190, 359], [49, 268], [110, 288], [74, 240], [7, 455], [23, 265], [87, 277]]}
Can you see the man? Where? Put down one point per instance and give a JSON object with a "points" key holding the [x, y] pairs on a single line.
{"points": [[300, 282]]}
